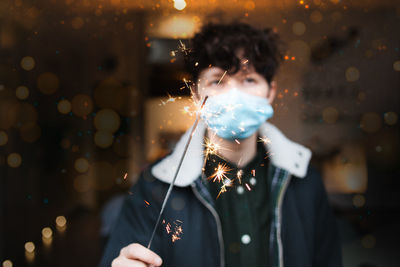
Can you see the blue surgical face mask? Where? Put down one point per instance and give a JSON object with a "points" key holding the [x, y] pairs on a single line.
{"points": [[235, 114]]}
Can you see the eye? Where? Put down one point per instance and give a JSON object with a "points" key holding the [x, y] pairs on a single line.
{"points": [[215, 82], [249, 80]]}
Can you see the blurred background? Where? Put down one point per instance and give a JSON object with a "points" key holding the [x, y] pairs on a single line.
{"points": [[92, 91]]}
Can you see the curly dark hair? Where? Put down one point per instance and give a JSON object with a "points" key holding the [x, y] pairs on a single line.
{"points": [[217, 45]]}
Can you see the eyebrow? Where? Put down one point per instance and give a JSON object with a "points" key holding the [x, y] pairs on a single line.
{"points": [[217, 74]]}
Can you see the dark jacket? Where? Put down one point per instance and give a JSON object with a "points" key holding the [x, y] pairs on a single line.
{"points": [[303, 231]]}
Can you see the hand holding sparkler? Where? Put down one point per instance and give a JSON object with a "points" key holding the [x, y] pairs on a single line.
{"points": [[136, 255]]}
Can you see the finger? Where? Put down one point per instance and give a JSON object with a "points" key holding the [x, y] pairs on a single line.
{"points": [[125, 262], [139, 252]]}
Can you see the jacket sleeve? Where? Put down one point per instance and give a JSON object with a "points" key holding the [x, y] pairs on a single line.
{"points": [[135, 221], [327, 244]]}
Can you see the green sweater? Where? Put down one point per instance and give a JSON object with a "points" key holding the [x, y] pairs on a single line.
{"points": [[243, 209]]}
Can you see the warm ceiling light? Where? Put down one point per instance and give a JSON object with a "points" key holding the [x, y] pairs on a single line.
{"points": [[179, 4]]}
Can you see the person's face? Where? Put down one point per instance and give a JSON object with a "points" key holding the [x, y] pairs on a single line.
{"points": [[212, 81]]}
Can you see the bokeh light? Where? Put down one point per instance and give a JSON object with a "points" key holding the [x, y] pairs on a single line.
{"points": [[330, 115], [14, 160], [29, 247], [299, 28], [361, 96], [103, 139], [3, 138], [27, 63], [47, 232], [22, 114], [316, 16], [7, 263], [81, 165], [83, 183], [370, 122], [179, 4], [396, 65], [368, 241], [65, 143], [64, 106], [352, 74], [390, 118], [22, 92], [8, 104], [82, 105], [107, 120], [48, 83], [358, 200], [61, 221], [249, 5], [77, 23]]}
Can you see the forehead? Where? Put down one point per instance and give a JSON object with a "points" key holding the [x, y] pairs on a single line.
{"points": [[213, 72]]}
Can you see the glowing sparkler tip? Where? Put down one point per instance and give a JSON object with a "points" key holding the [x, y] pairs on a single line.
{"points": [[220, 173], [265, 140]]}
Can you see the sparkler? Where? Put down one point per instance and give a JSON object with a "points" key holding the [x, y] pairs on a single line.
{"points": [[223, 75], [220, 173], [211, 149], [176, 174]]}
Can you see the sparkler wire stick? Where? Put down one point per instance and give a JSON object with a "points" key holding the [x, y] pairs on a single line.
{"points": [[176, 174]]}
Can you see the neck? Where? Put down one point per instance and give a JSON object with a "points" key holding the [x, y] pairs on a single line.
{"points": [[240, 153]]}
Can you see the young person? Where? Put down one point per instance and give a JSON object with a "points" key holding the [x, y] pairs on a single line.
{"points": [[266, 207]]}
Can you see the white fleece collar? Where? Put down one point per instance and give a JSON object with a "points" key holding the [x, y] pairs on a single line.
{"points": [[284, 154]]}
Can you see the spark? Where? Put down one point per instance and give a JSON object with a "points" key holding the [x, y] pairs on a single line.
{"points": [[220, 173], [148, 204], [227, 183], [188, 86], [186, 110], [253, 172], [265, 140], [247, 186], [126, 175], [210, 149], [170, 99], [268, 154], [175, 229], [237, 141], [239, 176], [168, 228], [183, 47]]}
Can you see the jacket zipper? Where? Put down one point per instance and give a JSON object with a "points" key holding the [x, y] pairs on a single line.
{"points": [[218, 222], [278, 227]]}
